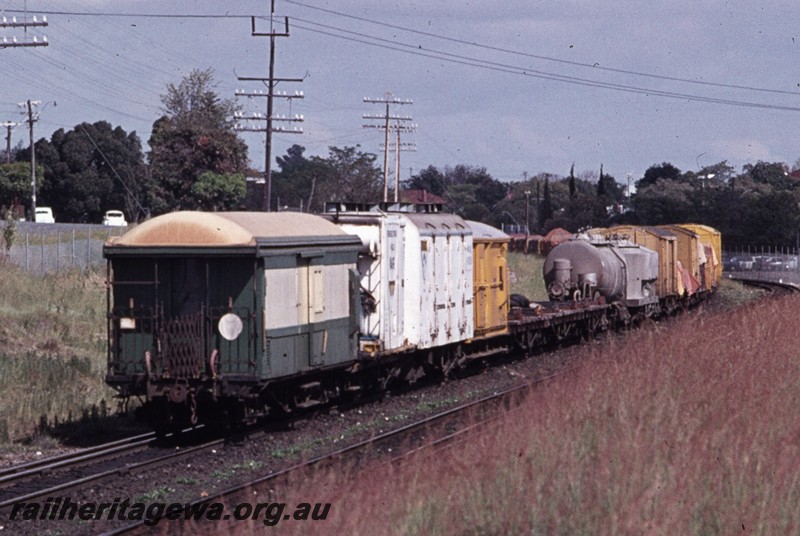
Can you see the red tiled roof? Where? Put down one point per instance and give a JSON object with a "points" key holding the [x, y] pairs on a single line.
{"points": [[420, 196]]}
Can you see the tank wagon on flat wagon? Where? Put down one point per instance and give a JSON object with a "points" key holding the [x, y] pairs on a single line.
{"points": [[237, 315]]}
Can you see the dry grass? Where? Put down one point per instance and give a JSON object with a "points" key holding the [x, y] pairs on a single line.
{"points": [[52, 348], [686, 429]]}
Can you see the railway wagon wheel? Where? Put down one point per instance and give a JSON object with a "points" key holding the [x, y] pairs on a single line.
{"points": [[562, 331], [592, 326], [528, 340], [168, 417]]}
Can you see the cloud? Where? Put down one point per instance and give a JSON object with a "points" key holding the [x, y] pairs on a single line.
{"points": [[738, 150]]}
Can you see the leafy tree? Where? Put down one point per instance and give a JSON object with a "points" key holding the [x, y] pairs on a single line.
{"points": [[573, 192], [665, 170], [90, 169], [295, 185], [462, 200], [194, 136], [771, 219], [473, 193], [348, 175], [546, 212], [15, 183], [601, 183], [429, 179], [771, 174], [215, 192], [666, 201]]}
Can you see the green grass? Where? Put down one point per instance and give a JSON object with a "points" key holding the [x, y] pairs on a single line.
{"points": [[52, 349], [525, 272]]}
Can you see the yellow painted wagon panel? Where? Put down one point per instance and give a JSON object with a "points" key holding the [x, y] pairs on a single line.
{"points": [[711, 240], [490, 275]]}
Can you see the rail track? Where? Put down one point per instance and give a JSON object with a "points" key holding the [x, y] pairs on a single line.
{"points": [[45, 478], [433, 432], [56, 475]]}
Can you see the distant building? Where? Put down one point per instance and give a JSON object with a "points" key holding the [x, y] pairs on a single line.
{"points": [[420, 197]]}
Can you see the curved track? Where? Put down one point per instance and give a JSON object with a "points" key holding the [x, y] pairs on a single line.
{"points": [[434, 431]]}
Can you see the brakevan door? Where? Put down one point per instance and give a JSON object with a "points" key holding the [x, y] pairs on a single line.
{"points": [[393, 311], [286, 320], [315, 308]]}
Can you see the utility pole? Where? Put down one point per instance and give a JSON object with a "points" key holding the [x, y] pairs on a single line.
{"points": [[9, 126], [398, 146], [14, 42], [388, 100], [527, 216], [32, 118], [271, 81]]}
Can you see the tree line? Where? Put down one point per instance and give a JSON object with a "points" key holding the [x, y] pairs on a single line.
{"points": [[196, 160]]}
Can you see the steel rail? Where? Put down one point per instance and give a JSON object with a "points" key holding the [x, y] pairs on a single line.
{"points": [[361, 446]]}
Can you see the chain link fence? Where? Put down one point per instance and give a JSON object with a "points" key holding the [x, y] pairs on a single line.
{"points": [[49, 248], [765, 263]]}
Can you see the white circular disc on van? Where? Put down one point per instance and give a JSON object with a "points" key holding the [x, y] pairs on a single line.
{"points": [[230, 326]]}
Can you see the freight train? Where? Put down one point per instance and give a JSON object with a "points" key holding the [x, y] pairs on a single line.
{"points": [[238, 315]]}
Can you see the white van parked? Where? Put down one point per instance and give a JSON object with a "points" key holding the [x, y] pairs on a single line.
{"points": [[44, 215]]}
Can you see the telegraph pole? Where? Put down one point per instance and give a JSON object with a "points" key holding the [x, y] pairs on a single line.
{"points": [[269, 118], [28, 106], [14, 42], [388, 100], [9, 126], [398, 146]]}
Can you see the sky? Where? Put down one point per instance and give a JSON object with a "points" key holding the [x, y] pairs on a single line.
{"points": [[519, 87]]}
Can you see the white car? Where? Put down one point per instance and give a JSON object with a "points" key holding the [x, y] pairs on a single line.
{"points": [[44, 215], [115, 218]]}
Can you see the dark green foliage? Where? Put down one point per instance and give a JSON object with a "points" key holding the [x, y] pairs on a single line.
{"points": [[429, 179], [666, 201], [15, 183], [664, 170], [546, 212], [194, 136], [470, 191], [573, 192], [347, 174], [757, 207], [90, 169], [214, 192]]}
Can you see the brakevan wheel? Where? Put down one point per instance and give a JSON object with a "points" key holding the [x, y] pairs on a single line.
{"points": [[167, 417]]}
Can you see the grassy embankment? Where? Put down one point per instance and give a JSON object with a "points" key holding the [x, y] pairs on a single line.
{"points": [[688, 427], [52, 348]]}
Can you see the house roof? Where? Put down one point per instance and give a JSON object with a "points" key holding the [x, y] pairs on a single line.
{"points": [[420, 196]]}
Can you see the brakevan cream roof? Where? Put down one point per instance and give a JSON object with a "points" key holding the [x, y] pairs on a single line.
{"points": [[224, 229]]}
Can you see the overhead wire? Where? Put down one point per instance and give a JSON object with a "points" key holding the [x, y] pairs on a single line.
{"points": [[475, 62], [524, 71], [593, 66]]}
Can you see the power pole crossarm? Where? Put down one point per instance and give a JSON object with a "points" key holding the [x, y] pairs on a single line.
{"points": [[388, 100], [270, 95], [13, 42]]}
